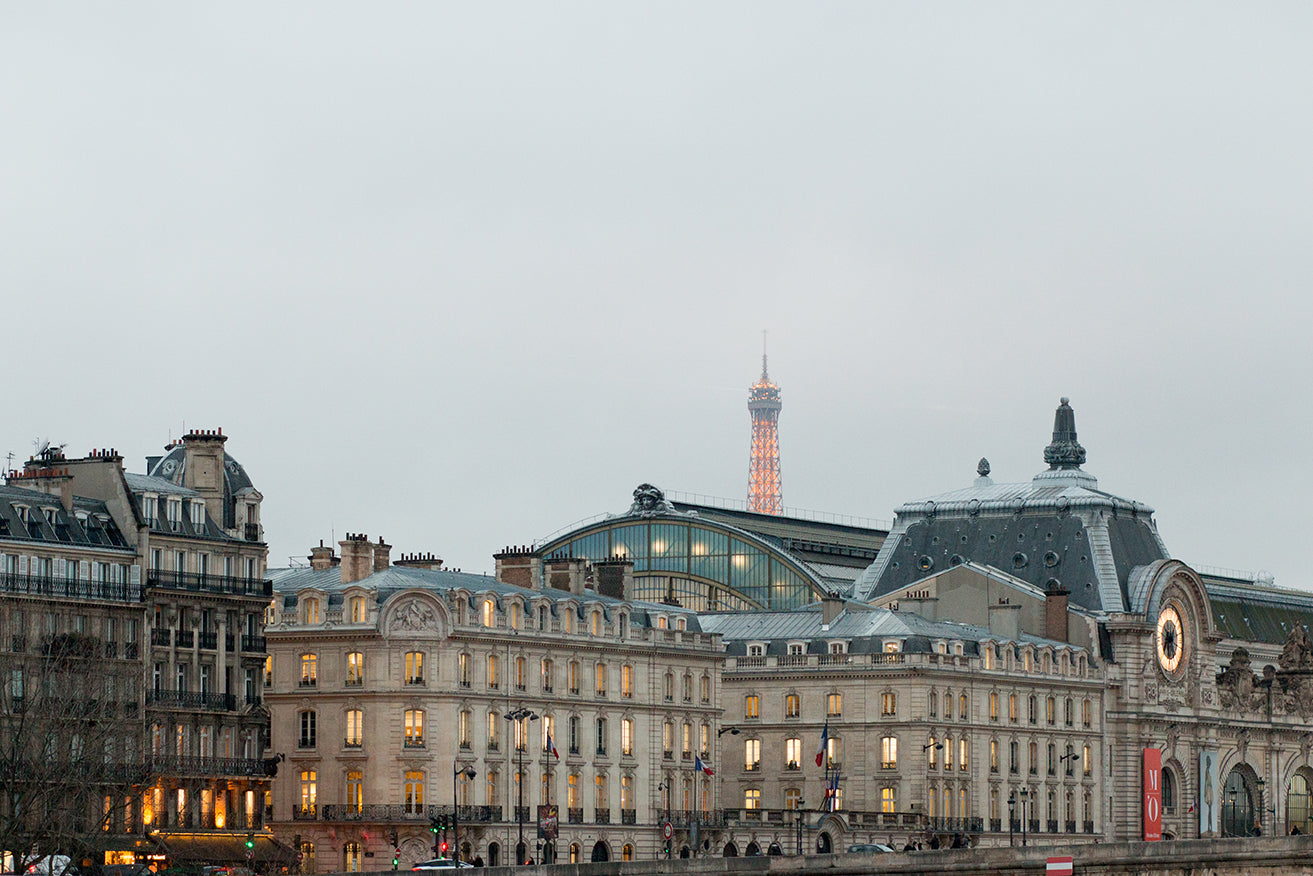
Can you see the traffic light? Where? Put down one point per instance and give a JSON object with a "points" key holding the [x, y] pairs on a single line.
{"points": [[444, 848], [250, 841], [396, 858], [435, 823]]}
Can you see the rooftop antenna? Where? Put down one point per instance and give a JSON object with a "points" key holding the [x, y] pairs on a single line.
{"points": [[763, 354]]}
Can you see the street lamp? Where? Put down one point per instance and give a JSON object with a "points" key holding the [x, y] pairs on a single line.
{"points": [[1025, 795], [469, 773], [733, 731], [665, 786], [1012, 817], [798, 822], [520, 715]]}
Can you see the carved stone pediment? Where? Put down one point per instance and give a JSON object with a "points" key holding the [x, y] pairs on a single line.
{"points": [[413, 616]]}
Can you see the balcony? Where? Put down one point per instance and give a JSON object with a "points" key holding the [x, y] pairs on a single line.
{"points": [[68, 588], [184, 638], [629, 816], [971, 824], [197, 582], [601, 816], [209, 641], [1089, 827], [161, 638], [182, 699], [252, 532], [130, 651], [995, 824], [575, 816], [175, 765], [253, 644]]}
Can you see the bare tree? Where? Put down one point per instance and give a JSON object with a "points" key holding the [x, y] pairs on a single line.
{"points": [[71, 749]]}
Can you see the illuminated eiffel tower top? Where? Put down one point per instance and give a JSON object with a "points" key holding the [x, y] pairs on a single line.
{"points": [[764, 494]]}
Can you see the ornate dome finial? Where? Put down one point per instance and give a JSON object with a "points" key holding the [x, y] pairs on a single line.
{"points": [[1065, 451], [982, 467]]}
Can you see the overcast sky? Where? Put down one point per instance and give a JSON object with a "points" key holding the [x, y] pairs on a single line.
{"points": [[460, 275]]}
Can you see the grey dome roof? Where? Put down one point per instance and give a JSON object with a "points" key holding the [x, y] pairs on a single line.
{"points": [[171, 467]]}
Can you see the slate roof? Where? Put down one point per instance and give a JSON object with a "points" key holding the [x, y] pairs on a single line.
{"points": [[864, 628], [396, 579], [67, 529], [140, 483], [1058, 529]]}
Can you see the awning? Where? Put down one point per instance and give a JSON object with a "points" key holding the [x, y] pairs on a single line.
{"points": [[223, 848]]}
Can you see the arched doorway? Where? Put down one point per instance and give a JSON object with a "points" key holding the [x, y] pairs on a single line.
{"points": [[494, 854], [731, 850], [575, 853], [774, 849], [1299, 803], [823, 843], [1238, 815], [753, 850], [520, 853], [684, 852], [600, 852]]}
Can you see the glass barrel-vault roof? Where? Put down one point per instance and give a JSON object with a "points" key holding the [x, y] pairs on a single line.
{"points": [[705, 566]]}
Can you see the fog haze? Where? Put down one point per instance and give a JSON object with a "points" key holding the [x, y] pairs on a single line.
{"points": [[459, 275]]}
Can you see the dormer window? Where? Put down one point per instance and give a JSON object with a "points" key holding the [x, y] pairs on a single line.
{"points": [[198, 516], [797, 649], [173, 511], [756, 650], [49, 514], [310, 610], [838, 647], [149, 509]]}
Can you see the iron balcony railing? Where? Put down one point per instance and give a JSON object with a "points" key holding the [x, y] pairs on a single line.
{"points": [[390, 812], [252, 532], [196, 581], [183, 699], [253, 644], [179, 765], [68, 588]]}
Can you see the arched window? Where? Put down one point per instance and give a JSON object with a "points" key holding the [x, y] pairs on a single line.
{"points": [[489, 613], [356, 606], [1299, 803], [516, 616], [1169, 791], [310, 610], [1238, 816]]}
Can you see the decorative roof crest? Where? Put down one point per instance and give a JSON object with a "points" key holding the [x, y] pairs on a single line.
{"points": [[1065, 451]]}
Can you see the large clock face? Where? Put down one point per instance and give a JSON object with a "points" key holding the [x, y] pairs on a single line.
{"points": [[1171, 640]]}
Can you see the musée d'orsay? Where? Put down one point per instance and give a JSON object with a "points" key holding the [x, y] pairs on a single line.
{"points": [[677, 678]]}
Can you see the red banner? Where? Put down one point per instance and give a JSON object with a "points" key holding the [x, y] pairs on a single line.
{"points": [[1153, 794]]}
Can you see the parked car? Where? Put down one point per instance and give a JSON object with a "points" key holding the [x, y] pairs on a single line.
{"points": [[443, 864], [869, 848]]}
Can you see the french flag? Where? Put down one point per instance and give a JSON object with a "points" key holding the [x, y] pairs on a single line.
{"points": [[825, 737], [551, 746], [699, 765]]}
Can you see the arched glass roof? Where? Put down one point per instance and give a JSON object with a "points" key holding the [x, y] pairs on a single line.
{"points": [[701, 564]]}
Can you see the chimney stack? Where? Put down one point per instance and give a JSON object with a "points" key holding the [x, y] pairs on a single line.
{"points": [[519, 567], [615, 578], [357, 558], [381, 554], [322, 557], [1055, 612], [202, 469]]}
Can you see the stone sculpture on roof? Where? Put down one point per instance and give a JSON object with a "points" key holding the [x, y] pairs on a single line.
{"points": [[649, 501], [1238, 687]]}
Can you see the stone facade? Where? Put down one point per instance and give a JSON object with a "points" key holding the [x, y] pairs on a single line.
{"points": [[389, 683]]}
